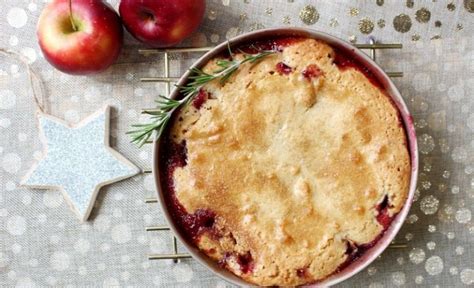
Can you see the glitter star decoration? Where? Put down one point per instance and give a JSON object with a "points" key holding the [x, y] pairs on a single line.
{"points": [[78, 160]]}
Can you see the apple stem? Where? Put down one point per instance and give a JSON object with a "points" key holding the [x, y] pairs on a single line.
{"points": [[70, 16]]}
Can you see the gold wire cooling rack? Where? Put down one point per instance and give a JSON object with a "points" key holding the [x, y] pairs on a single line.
{"points": [[372, 47]]}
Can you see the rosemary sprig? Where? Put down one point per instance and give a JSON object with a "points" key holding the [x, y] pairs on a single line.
{"points": [[160, 117]]}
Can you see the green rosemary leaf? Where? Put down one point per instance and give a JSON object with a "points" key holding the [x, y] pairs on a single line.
{"points": [[154, 112], [228, 74], [224, 63], [163, 99], [140, 125], [161, 116]]}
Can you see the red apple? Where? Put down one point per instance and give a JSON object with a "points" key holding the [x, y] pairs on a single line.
{"points": [[88, 44], [161, 23]]}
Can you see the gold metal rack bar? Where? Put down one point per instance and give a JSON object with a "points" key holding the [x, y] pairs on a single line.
{"points": [[205, 49], [166, 228], [379, 46], [395, 74], [397, 245], [151, 200], [175, 245], [159, 79], [167, 72], [175, 79], [372, 49], [169, 256], [178, 256], [168, 81], [174, 50], [157, 228]]}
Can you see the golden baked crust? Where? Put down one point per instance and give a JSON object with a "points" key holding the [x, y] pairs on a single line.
{"points": [[295, 169]]}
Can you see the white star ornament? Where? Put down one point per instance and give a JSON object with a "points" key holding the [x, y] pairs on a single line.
{"points": [[78, 160]]}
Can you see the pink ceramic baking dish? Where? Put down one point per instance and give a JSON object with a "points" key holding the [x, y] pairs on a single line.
{"points": [[371, 254]]}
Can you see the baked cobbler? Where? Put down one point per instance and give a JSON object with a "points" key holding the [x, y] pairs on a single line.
{"points": [[291, 169]]}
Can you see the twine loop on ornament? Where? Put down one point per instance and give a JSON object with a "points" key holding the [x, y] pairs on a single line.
{"points": [[38, 88]]}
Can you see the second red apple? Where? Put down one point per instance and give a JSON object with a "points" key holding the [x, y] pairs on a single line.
{"points": [[161, 23]]}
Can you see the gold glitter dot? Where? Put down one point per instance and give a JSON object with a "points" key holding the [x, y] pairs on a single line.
{"points": [[256, 26], [438, 23], [243, 17], [309, 15], [435, 37], [366, 26], [287, 20], [469, 5], [459, 27], [232, 32], [423, 15], [212, 15], [353, 11], [333, 22], [415, 37], [381, 23], [410, 3], [353, 39], [402, 23], [269, 11], [379, 2], [214, 39], [451, 6]]}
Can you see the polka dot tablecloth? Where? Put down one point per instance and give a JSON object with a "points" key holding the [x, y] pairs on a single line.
{"points": [[43, 244]]}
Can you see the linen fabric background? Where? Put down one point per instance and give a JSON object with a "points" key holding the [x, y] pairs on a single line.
{"points": [[43, 244]]}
